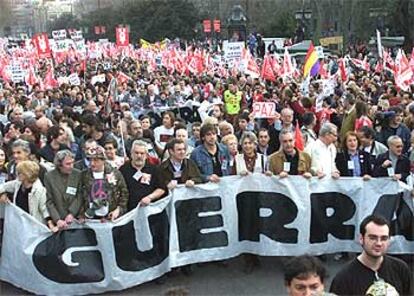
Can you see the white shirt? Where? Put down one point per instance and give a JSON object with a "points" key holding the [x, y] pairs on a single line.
{"points": [[323, 157]]}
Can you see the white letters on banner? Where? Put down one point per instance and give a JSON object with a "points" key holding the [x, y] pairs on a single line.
{"points": [[264, 109], [267, 216]]}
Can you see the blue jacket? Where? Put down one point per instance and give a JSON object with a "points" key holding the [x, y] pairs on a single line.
{"points": [[203, 160], [402, 131]]}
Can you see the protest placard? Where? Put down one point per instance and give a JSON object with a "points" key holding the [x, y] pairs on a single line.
{"points": [[264, 109]]}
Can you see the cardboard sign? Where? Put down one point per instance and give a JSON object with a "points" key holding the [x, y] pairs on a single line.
{"points": [[74, 79], [17, 73], [264, 110], [59, 34], [232, 51], [76, 35], [98, 78], [80, 45], [61, 46]]}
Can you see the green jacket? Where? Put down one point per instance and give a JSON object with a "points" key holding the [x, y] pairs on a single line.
{"points": [[62, 194], [348, 123], [114, 186]]}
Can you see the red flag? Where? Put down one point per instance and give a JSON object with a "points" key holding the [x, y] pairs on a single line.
{"points": [[267, 71], [402, 71], [41, 42], [323, 71], [252, 68], [122, 36], [379, 67], [31, 78], [412, 60], [50, 82], [122, 77], [342, 70], [298, 138], [287, 64]]}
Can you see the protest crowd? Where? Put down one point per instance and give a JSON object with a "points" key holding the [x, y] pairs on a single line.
{"points": [[93, 132]]}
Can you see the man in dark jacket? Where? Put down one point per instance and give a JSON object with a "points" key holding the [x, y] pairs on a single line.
{"points": [[393, 163], [395, 127], [177, 169]]}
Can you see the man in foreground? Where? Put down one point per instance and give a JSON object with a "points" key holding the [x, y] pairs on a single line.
{"points": [[373, 272], [304, 276]]}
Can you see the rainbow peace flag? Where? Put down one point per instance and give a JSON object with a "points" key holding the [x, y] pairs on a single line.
{"points": [[311, 62]]}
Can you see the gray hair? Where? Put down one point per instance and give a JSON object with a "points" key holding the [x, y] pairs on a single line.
{"points": [[327, 128], [224, 124], [392, 139], [22, 144], [61, 155], [248, 135], [140, 143], [287, 111], [285, 132]]}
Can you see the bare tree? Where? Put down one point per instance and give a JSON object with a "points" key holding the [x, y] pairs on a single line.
{"points": [[4, 15], [404, 21]]}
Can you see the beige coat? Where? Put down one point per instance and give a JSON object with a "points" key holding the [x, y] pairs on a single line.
{"points": [[37, 198]]}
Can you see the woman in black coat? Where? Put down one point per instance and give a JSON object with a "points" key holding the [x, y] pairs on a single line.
{"points": [[352, 162]]}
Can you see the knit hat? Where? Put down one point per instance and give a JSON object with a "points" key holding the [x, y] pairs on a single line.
{"points": [[97, 152]]}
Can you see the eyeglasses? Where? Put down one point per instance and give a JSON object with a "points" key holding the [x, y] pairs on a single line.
{"points": [[335, 135], [375, 238]]}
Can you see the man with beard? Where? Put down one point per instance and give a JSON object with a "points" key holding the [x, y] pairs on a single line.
{"points": [[135, 132], [373, 272], [143, 179]]}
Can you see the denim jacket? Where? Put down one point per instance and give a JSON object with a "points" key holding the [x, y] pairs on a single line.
{"points": [[203, 160]]}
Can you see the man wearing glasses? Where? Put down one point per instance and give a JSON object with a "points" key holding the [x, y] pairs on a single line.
{"points": [[393, 163], [373, 272], [323, 152]]}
